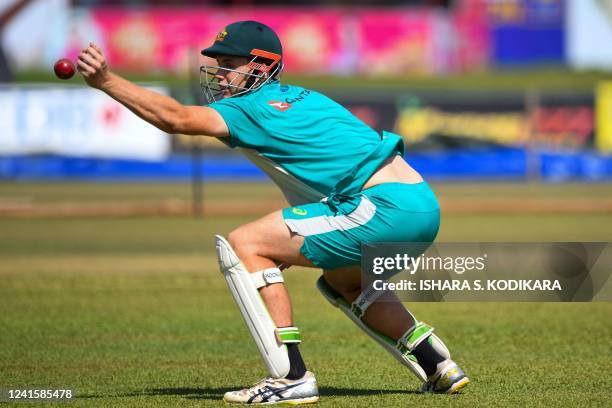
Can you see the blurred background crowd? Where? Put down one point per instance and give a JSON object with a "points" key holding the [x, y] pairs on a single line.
{"points": [[479, 89]]}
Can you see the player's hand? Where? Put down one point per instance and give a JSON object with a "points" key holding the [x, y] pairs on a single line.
{"points": [[92, 65]]}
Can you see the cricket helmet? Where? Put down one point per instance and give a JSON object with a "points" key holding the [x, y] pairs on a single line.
{"points": [[249, 39]]}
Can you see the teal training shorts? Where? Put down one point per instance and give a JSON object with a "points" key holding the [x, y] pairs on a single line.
{"points": [[390, 212]]}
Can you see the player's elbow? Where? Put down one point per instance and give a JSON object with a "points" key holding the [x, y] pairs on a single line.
{"points": [[199, 121]]}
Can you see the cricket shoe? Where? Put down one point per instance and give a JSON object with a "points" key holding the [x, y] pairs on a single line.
{"points": [[448, 379], [277, 391]]}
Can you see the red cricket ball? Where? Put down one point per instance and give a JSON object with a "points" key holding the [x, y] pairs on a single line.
{"points": [[64, 68]]}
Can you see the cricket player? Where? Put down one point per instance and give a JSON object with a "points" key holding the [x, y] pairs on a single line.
{"points": [[346, 185]]}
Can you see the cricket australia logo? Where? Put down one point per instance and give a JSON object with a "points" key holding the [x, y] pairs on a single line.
{"points": [[281, 106], [221, 36]]}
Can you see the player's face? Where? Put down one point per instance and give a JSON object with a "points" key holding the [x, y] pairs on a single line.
{"points": [[235, 77]]}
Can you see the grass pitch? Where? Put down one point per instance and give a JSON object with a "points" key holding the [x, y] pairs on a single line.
{"points": [[133, 312]]}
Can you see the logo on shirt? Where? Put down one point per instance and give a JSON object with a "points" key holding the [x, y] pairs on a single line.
{"points": [[281, 106]]}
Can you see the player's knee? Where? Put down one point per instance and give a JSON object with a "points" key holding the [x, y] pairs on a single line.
{"points": [[240, 241], [234, 239], [351, 294], [348, 290]]}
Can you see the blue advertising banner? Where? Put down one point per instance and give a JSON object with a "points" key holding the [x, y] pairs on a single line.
{"points": [[528, 32], [485, 163]]}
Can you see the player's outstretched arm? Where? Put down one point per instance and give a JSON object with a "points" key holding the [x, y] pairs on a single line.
{"points": [[159, 110]]}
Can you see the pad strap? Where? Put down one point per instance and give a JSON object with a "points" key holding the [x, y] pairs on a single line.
{"points": [[365, 300], [267, 277], [413, 337], [289, 335]]}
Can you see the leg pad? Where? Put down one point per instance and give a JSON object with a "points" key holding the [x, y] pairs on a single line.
{"points": [[398, 351], [269, 341]]}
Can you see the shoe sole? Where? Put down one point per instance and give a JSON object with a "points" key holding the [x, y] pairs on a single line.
{"points": [[299, 401], [458, 386]]}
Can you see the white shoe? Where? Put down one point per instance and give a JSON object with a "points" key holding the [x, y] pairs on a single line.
{"points": [[277, 391], [448, 379]]}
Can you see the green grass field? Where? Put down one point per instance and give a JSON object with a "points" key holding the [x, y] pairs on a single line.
{"points": [[132, 311]]}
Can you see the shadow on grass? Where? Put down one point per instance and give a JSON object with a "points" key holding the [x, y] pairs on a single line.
{"points": [[359, 392], [217, 393], [201, 393]]}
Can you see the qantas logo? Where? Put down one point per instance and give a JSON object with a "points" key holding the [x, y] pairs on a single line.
{"points": [[281, 106]]}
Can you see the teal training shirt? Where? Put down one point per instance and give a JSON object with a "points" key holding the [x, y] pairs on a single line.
{"points": [[309, 135]]}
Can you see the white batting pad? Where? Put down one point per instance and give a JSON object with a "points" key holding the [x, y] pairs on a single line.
{"points": [[387, 343], [253, 309]]}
